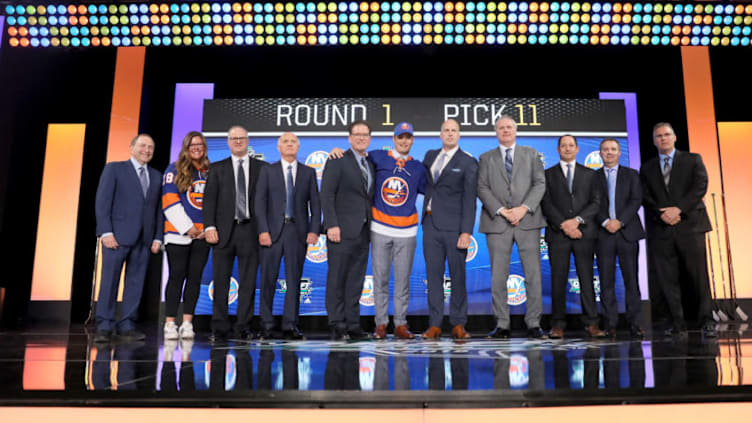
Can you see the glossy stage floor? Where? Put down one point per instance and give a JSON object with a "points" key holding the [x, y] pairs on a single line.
{"points": [[50, 368]]}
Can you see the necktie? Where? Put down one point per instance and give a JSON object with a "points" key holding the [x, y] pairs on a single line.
{"points": [[142, 178], [240, 201], [666, 170], [364, 170], [569, 177], [508, 164], [611, 193], [290, 190], [439, 165]]}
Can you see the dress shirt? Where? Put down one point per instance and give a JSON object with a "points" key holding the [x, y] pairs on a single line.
{"points": [[285, 164], [564, 164], [246, 159], [504, 152], [435, 166], [615, 175]]}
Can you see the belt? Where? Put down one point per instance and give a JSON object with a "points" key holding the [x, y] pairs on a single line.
{"points": [[242, 221], [289, 219]]}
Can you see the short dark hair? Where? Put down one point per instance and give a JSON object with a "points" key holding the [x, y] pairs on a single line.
{"points": [[558, 144], [358, 122], [605, 140]]}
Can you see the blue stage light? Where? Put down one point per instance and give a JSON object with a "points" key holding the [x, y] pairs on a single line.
{"points": [[300, 7], [718, 9], [746, 30], [470, 17], [73, 31], [353, 18], [512, 18], [102, 9], [596, 7], [728, 20], [706, 30], [735, 41], [532, 39], [156, 41], [736, 30], [116, 41], [216, 7], [565, 7], [554, 18], [705, 41], [11, 20], [596, 19], [52, 20], [574, 28], [512, 7], [166, 40], [45, 42], [310, 7], [375, 28], [533, 29], [624, 40], [301, 18], [321, 28], [267, 18], [717, 20], [745, 41], [75, 42], [438, 17], [543, 39], [396, 17], [364, 39], [584, 39], [417, 28], [332, 39], [62, 20], [396, 6], [311, 18], [156, 30], [501, 39], [491, 39], [208, 40], [523, 7], [217, 19], [353, 6], [555, 6], [448, 28], [374, 39], [565, 17], [238, 40], [687, 20], [665, 29], [694, 41], [44, 32], [197, 40], [449, 39], [385, 18], [207, 29]]}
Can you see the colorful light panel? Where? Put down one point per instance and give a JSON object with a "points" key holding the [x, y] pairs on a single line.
{"points": [[379, 23]]}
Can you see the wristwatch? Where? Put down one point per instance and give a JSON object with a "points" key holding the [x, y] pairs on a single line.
{"points": [[579, 220]]}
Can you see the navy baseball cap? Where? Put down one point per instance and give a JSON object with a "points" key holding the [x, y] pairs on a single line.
{"points": [[403, 128]]}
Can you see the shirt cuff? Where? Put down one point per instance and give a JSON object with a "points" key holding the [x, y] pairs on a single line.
{"points": [[604, 222], [210, 228], [107, 234]]}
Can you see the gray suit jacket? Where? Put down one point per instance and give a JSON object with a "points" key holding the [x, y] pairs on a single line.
{"points": [[495, 191]]}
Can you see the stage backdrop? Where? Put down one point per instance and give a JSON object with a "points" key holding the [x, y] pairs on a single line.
{"points": [[321, 124]]}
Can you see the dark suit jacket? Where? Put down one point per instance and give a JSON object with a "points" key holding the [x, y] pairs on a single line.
{"points": [[219, 196], [628, 199], [686, 189], [345, 199], [121, 207], [559, 205], [271, 200], [453, 194]]}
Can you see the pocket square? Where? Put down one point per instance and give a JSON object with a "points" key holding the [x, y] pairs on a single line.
{"points": [[456, 169]]}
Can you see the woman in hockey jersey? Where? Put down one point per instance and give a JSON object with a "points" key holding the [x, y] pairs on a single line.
{"points": [[182, 200]]}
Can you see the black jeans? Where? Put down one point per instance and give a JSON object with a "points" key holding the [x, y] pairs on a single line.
{"points": [[187, 263]]}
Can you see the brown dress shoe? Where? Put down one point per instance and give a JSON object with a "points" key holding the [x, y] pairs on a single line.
{"points": [[594, 332], [380, 332], [556, 333], [459, 332], [432, 333], [402, 332]]}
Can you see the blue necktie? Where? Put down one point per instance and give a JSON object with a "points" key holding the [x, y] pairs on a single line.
{"points": [[142, 178], [569, 177], [508, 164], [666, 171], [611, 193], [290, 193], [439, 164]]}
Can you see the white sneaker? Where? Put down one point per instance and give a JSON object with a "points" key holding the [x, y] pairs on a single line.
{"points": [[170, 330], [186, 330]]}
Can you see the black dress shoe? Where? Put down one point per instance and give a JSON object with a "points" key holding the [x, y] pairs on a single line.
{"points": [[636, 332], [359, 335], [499, 333], [536, 333], [217, 337], [131, 335], [264, 335], [336, 334], [103, 336], [293, 334], [709, 330], [680, 333]]}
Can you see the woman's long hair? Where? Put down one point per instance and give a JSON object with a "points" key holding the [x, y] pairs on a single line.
{"points": [[185, 166]]}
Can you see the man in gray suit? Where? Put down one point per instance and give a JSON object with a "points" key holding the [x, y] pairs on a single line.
{"points": [[511, 184]]}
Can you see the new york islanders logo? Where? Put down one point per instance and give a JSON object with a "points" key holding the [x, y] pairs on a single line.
{"points": [[195, 194], [366, 296], [394, 191], [472, 250], [232, 295], [594, 160], [516, 293], [317, 160], [317, 252]]}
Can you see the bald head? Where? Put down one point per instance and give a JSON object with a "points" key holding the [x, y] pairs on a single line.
{"points": [[288, 146]]}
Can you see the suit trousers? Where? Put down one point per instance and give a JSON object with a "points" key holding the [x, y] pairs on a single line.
{"points": [[289, 246], [136, 260], [500, 252], [347, 261], [688, 251], [440, 247], [243, 244], [385, 251], [608, 248], [186, 263], [559, 252]]}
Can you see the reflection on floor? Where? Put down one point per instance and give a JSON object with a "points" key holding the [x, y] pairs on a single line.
{"points": [[629, 370]]}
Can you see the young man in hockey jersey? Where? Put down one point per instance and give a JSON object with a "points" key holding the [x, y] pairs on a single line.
{"points": [[394, 227]]}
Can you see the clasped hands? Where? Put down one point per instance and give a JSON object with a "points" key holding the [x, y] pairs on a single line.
{"points": [[570, 227], [513, 215], [671, 215]]}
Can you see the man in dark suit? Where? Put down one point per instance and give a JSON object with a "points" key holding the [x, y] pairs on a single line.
{"points": [[448, 220], [127, 210], [511, 184], [285, 192], [570, 204], [618, 236], [347, 187], [231, 228], [673, 186]]}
